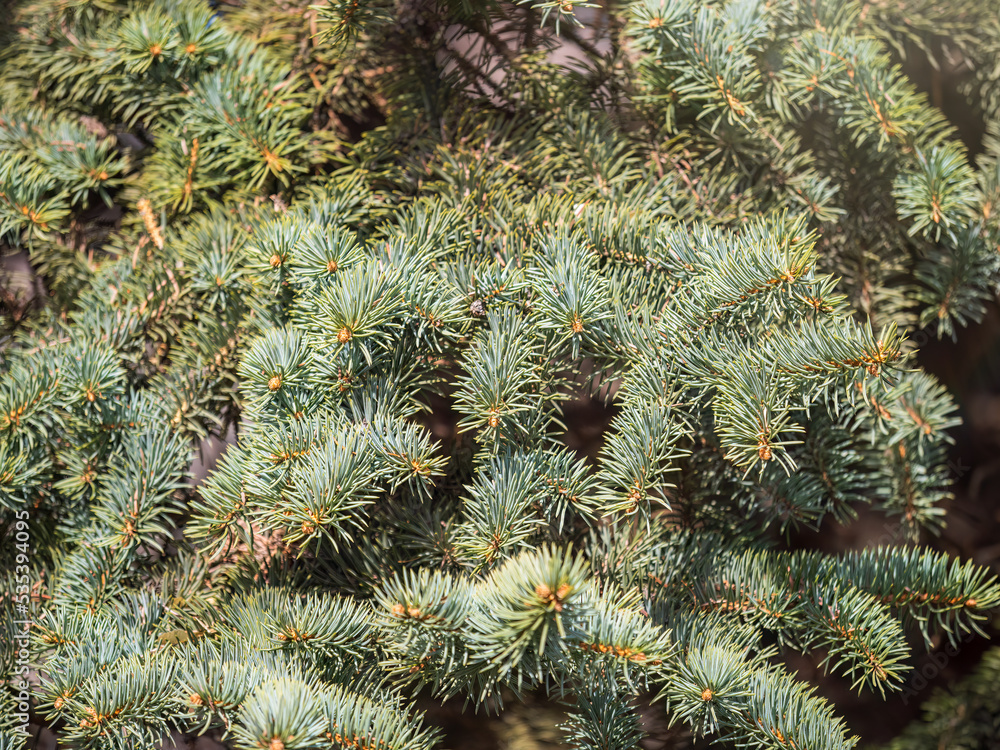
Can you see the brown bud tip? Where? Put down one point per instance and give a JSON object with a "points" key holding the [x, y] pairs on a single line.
{"points": [[155, 50], [103, 175], [764, 451], [398, 610], [577, 325], [195, 699], [331, 266], [344, 335], [413, 612], [494, 420], [308, 528], [91, 396], [274, 383], [276, 744], [275, 260], [970, 603], [706, 694], [191, 48], [543, 591], [57, 703]]}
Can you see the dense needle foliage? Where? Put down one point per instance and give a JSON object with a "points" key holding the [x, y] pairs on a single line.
{"points": [[380, 246]]}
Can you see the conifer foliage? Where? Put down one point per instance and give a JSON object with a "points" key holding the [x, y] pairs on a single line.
{"points": [[321, 230]]}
